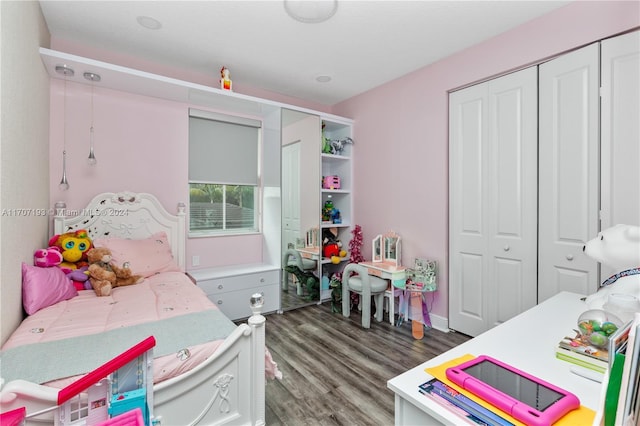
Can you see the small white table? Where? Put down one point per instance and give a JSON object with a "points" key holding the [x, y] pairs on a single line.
{"points": [[527, 342]]}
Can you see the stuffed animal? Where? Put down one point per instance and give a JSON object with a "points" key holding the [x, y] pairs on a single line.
{"points": [[617, 247], [46, 258], [331, 245], [73, 246], [104, 275]]}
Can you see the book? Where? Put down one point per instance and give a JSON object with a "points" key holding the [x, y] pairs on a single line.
{"points": [[613, 389], [474, 412], [582, 360], [629, 373], [577, 345], [617, 345]]}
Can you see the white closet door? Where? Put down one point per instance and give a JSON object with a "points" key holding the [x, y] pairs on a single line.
{"points": [[291, 159], [513, 195], [569, 170], [620, 140], [468, 233], [492, 202]]}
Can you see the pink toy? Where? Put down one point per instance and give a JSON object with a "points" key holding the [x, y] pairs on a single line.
{"points": [[331, 182], [45, 258]]}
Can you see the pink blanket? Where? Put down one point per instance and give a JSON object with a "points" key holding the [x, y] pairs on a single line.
{"points": [[159, 297]]}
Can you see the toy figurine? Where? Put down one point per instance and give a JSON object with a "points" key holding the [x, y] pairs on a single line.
{"points": [[225, 80]]}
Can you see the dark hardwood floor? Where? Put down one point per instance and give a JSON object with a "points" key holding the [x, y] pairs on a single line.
{"points": [[336, 372]]}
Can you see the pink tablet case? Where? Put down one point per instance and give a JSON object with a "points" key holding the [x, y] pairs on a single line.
{"points": [[517, 409]]}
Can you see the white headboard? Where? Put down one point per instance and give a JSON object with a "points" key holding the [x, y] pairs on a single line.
{"points": [[126, 215]]}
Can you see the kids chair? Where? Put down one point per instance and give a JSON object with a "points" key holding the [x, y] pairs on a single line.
{"points": [[366, 286], [293, 258]]}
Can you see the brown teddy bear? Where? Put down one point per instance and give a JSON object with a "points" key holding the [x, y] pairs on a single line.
{"points": [[104, 275]]}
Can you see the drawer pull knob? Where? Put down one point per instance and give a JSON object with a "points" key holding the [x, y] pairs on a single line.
{"points": [[219, 302], [220, 286], [569, 257], [507, 248], [261, 280]]}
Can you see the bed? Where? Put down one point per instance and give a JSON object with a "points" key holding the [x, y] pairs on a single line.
{"points": [[223, 380]]}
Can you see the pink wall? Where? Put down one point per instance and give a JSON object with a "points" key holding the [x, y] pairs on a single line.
{"points": [[401, 130], [141, 145]]}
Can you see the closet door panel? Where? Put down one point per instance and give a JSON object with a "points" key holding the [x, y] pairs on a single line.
{"points": [[512, 171], [620, 140], [492, 202], [569, 168], [467, 198]]}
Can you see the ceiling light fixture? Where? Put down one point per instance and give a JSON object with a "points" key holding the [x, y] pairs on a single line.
{"points": [[323, 78], [149, 22], [92, 77], [66, 71], [311, 11]]}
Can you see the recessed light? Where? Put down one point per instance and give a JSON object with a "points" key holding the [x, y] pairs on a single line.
{"points": [[149, 22], [323, 78], [311, 11]]}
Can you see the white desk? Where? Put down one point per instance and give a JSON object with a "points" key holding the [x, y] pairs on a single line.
{"points": [[527, 342]]}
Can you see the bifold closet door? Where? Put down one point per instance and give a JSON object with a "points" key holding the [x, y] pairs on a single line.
{"points": [[620, 138], [569, 172], [492, 201]]}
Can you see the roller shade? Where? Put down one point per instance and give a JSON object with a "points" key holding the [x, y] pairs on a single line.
{"points": [[223, 149]]}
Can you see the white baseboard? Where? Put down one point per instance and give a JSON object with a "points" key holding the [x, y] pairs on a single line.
{"points": [[440, 323]]}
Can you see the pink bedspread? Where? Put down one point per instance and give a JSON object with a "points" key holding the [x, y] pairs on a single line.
{"points": [[158, 297]]}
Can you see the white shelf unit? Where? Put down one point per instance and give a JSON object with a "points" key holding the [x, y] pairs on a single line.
{"points": [[340, 165]]}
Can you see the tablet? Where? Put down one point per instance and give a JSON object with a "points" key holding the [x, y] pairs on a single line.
{"points": [[525, 397]]}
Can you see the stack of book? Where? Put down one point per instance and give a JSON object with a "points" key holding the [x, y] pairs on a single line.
{"points": [[574, 350], [468, 411]]}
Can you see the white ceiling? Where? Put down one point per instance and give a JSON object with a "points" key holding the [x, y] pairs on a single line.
{"points": [[364, 44]]}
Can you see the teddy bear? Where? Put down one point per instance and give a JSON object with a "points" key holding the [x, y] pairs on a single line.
{"points": [[104, 275], [617, 247], [73, 246]]}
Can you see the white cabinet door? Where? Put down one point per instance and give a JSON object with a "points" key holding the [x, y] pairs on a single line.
{"points": [[620, 140], [492, 201], [569, 169]]}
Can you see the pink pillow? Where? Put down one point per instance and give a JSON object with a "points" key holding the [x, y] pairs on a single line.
{"points": [[145, 257], [42, 287]]}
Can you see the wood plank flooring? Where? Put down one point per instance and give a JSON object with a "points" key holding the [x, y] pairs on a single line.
{"points": [[336, 372]]}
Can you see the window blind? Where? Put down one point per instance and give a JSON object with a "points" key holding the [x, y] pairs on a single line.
{"points": [[223, 149]]}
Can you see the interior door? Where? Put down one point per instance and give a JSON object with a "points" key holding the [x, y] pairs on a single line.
{"points": [[492, 202], [569, 172], [468, 228], [620, 140]]}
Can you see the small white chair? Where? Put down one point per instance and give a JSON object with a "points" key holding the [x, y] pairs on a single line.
{"points": [[292, 257], [366, 286]]}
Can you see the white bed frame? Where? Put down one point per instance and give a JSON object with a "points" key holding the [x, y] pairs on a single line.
{"points": [[229, 388]]}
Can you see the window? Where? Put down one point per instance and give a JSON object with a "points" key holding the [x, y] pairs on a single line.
{"points": [[223, 174]]}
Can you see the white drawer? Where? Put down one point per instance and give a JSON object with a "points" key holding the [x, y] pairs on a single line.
{"points": [[239, 282], [235, 304]]}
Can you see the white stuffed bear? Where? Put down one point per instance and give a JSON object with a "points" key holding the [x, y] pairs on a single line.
{"points": [[619, 248]]}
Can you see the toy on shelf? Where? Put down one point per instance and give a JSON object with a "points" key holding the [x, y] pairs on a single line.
{"points": [[326, 211], [331, 182], [332, 246], [225, 80]]}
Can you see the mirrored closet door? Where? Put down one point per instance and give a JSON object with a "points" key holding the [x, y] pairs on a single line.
{"points": [[301, 138]]}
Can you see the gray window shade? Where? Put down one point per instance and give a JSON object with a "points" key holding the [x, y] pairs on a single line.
{"points": [[223, 152]]}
